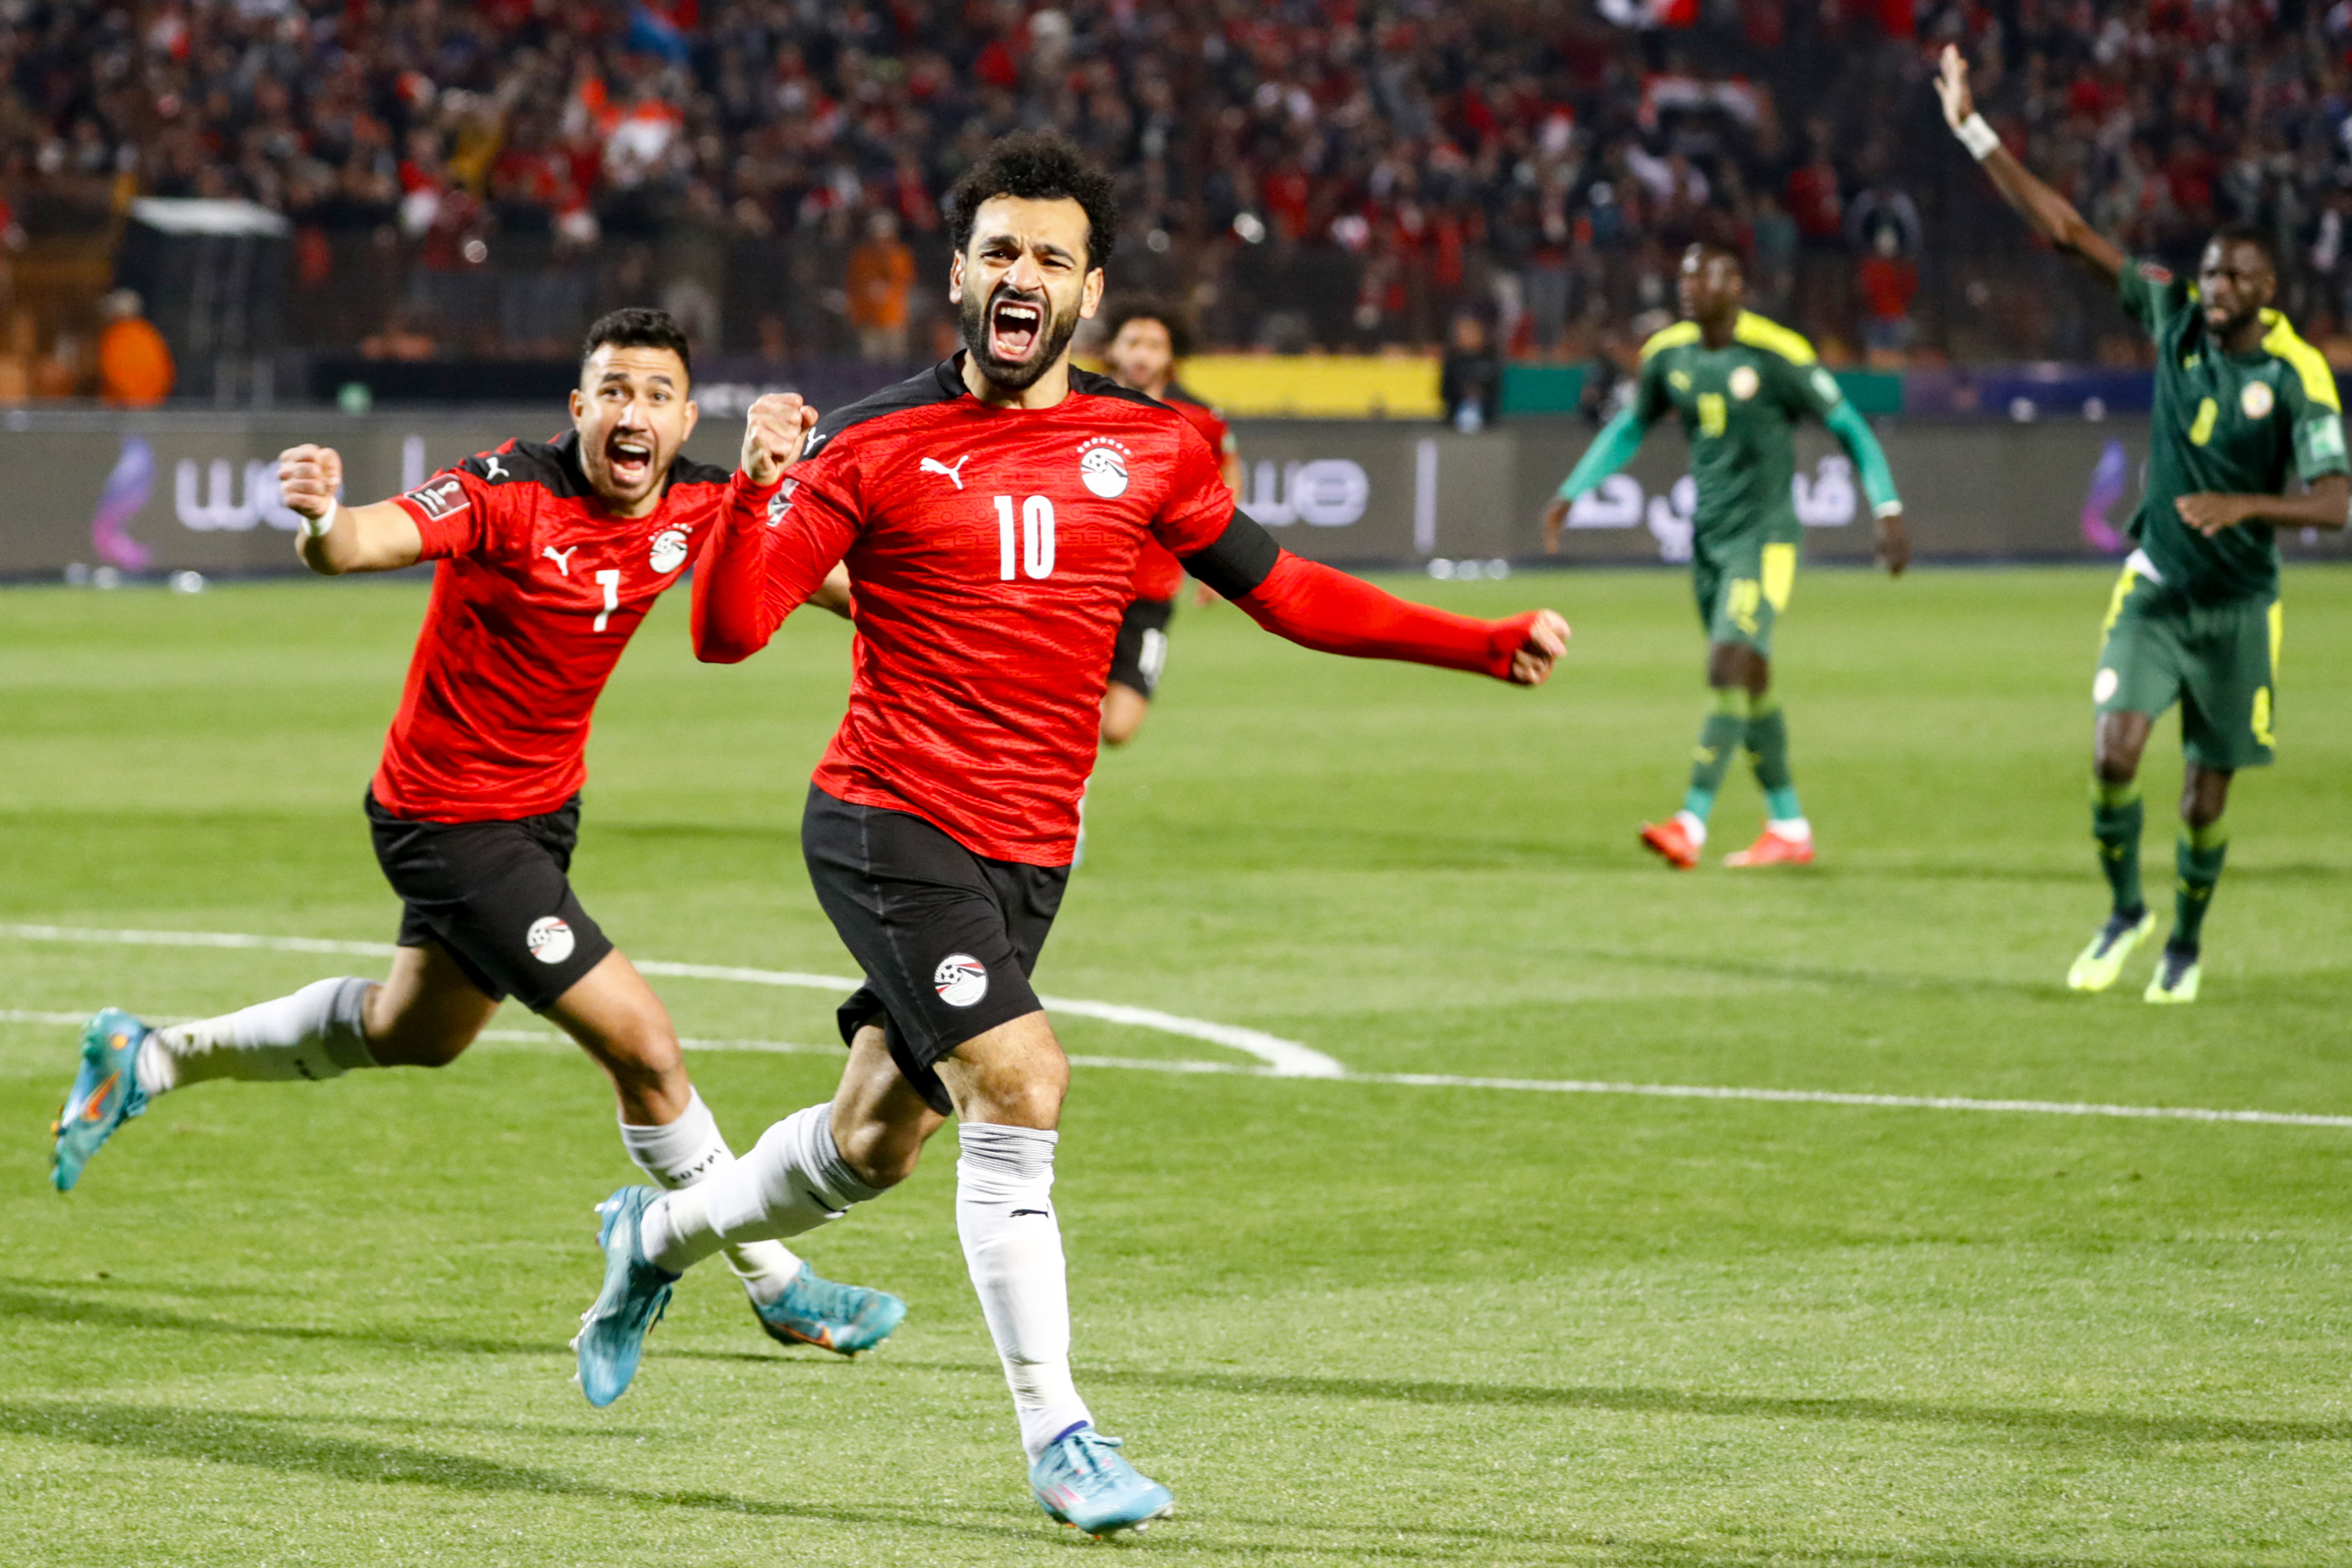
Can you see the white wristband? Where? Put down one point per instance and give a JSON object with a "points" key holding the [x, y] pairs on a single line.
{"points": [[319, 527], [1978, 137]]}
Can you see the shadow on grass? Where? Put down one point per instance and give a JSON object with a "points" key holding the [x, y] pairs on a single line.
{"points": [[2104, 1424], [34, 1300], [273, 1441], [269, 1441]]}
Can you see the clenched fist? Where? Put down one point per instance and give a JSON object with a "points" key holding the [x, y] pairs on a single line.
{"points": [[310, 479], [772, 434], [1546, 639]]}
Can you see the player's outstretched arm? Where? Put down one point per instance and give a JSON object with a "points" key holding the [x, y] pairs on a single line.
{"points": [[1317, 608], [2325, 505], [1611, 450], [752, 570], [2052, 216], [335, 538]]}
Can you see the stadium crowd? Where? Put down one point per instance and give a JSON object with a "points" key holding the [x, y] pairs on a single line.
{"points": [[482, 178]]}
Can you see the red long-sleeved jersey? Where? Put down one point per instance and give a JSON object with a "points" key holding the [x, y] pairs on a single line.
{"points": [[538, 591], [994, 552]]}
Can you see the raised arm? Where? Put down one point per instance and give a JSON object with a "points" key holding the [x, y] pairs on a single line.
{"points": [[335, 538], [1317, 608], [754, 570], [2052, 216]]}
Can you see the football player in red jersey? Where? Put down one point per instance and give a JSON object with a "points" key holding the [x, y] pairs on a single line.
{"points": [[1004, 496], [1143, 342], [551, 553]]}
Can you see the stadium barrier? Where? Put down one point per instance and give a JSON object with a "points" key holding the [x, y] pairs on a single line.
{"points": [[170, 492]]}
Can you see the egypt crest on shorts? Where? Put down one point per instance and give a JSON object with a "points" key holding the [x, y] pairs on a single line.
{"points": [[961, 980]]}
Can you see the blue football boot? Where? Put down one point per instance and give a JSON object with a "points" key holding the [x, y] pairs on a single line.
{"points": [[843, 1319], [104, 1096], [636, 1292], [1081, 1480]]}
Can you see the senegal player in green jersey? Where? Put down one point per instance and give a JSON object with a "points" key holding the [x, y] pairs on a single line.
{"points": [[2244, 410], [1739, 383]]}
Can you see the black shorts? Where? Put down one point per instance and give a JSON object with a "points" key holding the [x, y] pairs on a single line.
{"points": [[496, 897], [946, 938], [1142, 651]]}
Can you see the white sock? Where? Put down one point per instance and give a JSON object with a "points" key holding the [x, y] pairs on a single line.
{"points": [[1012, 1246], [1794, 828], [692, 1149], [1695, 826], [316, 1033], [793, 1179]]}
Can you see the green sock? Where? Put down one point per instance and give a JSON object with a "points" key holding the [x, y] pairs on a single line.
{"points": [[1719, 738], [2197, 858], [2115, 818], [1767, 753]]}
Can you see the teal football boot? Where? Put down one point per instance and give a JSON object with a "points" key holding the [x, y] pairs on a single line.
{"points": [[1081, 1480], [636, 1292], [843, 1319], [104, 1096]]}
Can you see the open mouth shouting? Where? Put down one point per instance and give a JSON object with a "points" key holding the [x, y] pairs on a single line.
{"points": [[629, 456], [1015, 327]]}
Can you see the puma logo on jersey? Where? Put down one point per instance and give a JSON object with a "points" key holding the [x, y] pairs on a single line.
{"points": [[563, 558], [492, 468], [955, 475]]}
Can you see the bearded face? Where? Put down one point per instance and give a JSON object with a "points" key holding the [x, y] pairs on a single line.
{"points": [[1016, 335], [1021, 286]]}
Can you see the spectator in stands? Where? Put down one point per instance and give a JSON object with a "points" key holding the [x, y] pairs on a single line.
{"points": [[1887, 280], [1391, 157], [1470, 382], [881, 275], [134, 362]]}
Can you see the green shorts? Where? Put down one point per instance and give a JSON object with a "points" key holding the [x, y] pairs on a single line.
{"points": [[1742, 585], [2215, 660]]}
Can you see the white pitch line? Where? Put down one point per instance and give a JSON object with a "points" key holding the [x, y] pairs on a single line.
{"points": [[1284, 1059], [1138, 1064]]}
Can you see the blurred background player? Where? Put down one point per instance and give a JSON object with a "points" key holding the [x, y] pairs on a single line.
{"points": [[1004, 494], [1144, 343], [1739, 383], [551, 553], [2244, 409]]}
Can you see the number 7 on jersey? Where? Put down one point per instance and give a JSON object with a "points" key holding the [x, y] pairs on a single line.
{"points": [[1037, 544]]}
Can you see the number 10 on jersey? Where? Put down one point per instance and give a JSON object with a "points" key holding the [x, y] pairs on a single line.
{"points": [[1035, 557]]}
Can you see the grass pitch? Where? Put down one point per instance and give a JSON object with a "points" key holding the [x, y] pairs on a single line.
{"points": [[1348, 1322]]}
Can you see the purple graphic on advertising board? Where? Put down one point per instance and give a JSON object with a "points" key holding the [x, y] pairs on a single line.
{"points": [[2108, 481], [127, 489]]}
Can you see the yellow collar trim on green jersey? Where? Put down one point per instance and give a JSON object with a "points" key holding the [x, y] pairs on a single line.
{"points": [[1673, 337], [1759, 333], [1751, 329], [2281, 341]]}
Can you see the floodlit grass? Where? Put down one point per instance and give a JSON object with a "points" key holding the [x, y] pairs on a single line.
{"points": [[1347, 1322]]}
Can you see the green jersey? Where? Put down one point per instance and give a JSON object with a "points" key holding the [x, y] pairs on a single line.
{"points": [[1740, 405], [2233, 423]]}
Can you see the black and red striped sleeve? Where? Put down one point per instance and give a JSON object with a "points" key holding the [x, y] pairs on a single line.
{"points": [[1312, 604]]}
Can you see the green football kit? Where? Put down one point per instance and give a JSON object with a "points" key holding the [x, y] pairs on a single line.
{"points": [[2196, 620], [1740, 405]]}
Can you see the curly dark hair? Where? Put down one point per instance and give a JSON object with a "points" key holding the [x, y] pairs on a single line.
{"points": [[1140, 308], [638, 327], [1039, 166]]}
